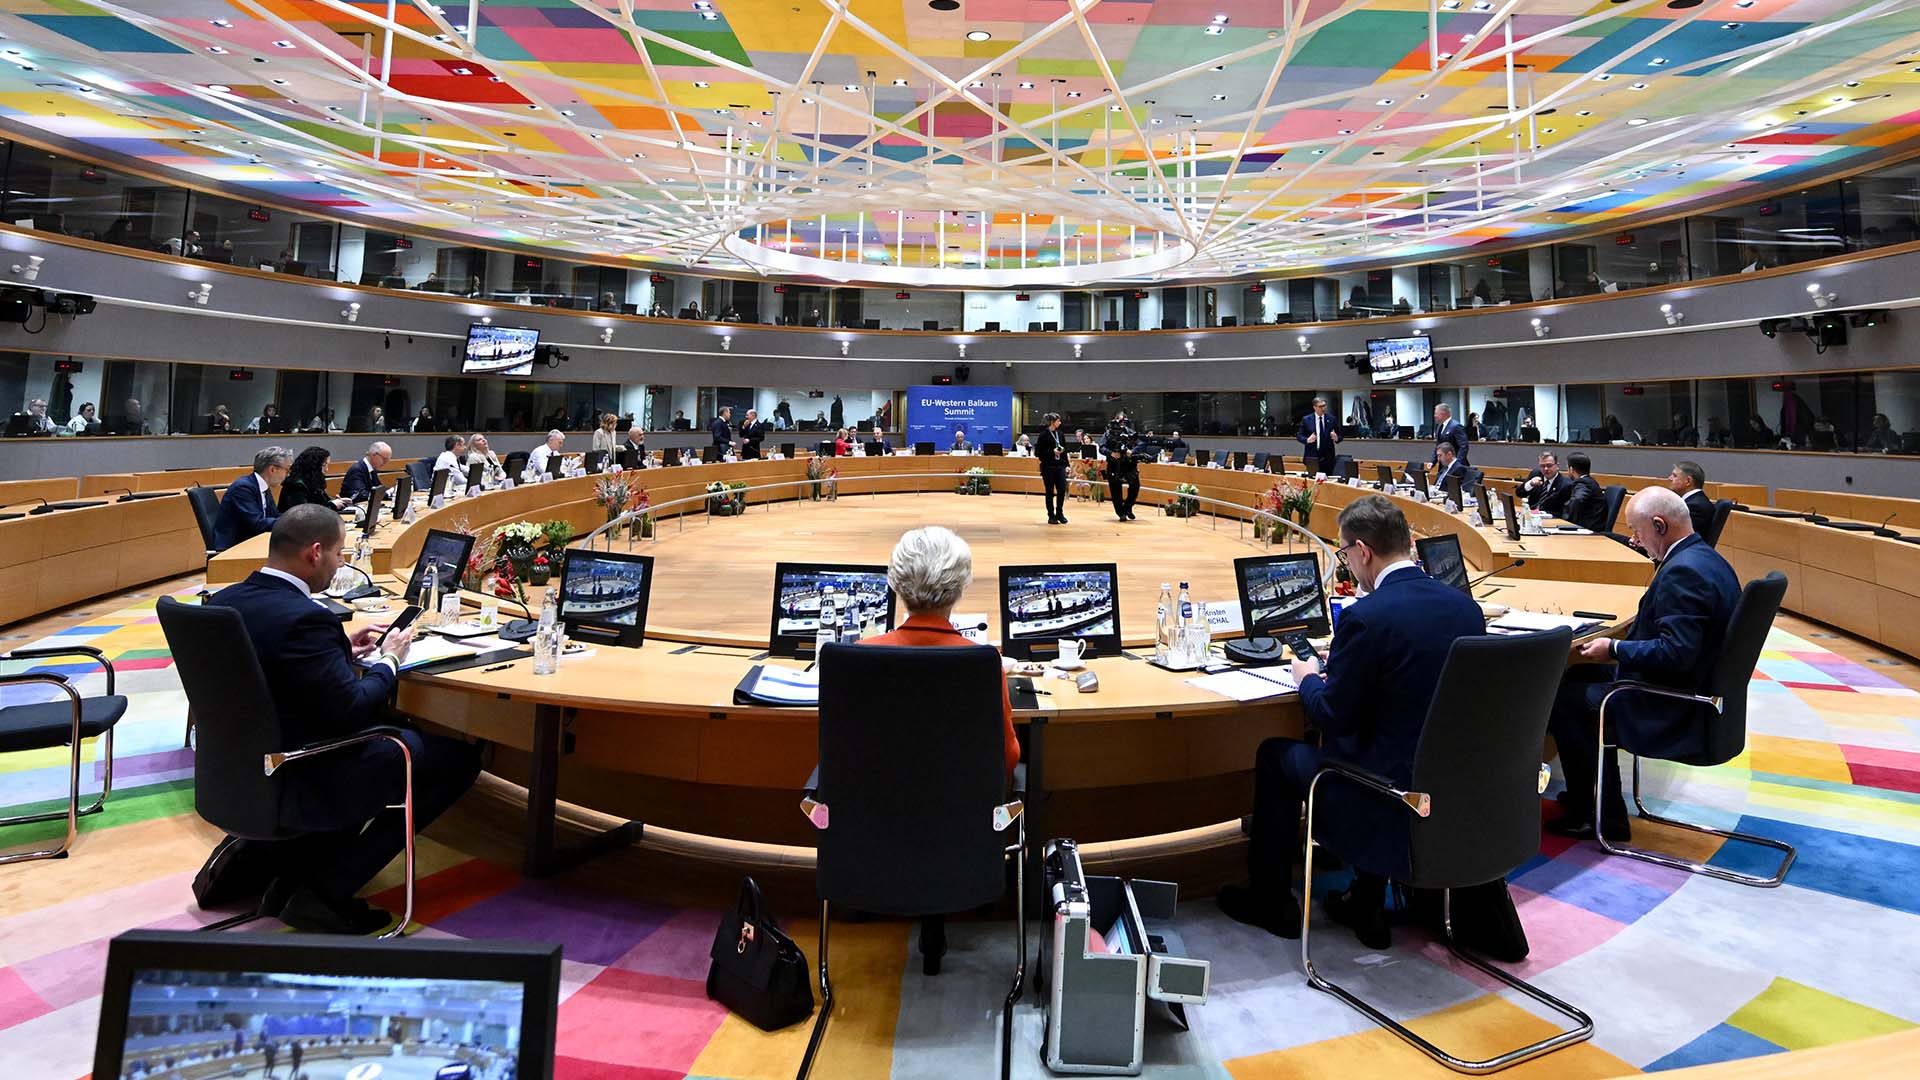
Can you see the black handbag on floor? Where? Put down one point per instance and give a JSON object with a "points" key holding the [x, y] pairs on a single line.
{"points": [[758, 972]]}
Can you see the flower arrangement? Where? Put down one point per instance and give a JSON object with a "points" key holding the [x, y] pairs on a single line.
{"points": [[518, 554], [1301, 500], [1186, 501], [727, 499], [1086, 480], [542, 571], [614, 492], [825, 476], [978, 481]]}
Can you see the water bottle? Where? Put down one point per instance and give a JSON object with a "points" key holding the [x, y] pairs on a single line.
{"points": [[1163, 622], [549, 609], [430, 595], [1186, 607], [824, 627]]}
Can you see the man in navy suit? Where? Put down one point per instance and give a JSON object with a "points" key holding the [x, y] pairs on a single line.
{"points": [[1688, 480], [1450, 468], [1448, 430], [1675, 642], [248, 508], [339, 799], [1369, 708], [1318, 433], [364, 475]]}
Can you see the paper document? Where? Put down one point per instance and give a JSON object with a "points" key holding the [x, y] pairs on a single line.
{"points": [[1524, 621], [1244, 685], [427, 649], [785, 685]]}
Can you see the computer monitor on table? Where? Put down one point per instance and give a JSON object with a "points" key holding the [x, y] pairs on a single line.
{"points": [[1281, 594], [439, 486], [1090, 451], [161, 984], [374, 497], [922, 449], [991, 328], [1418, 478], [402, 493], [709, 454], [1484, 499], [555, 462], [1441, 556], [1240, 459], [786, 450], [993, 449], [1507, 508], [476, 474], [1384, 474], [444, 549], [1039, 605], [603, 596], [630, 456], [1454, 493], [595, 461], [798, 589]]}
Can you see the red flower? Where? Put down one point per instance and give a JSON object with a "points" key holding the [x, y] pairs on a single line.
{"points": [[540, 560]]}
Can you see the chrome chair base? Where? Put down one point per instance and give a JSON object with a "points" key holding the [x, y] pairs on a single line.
{"points": [[1018, 853], [1581, 1032], [73, 811], [1661, 858]]}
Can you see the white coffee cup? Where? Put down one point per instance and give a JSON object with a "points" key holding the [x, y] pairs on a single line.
{"points": [[1070, 650]]}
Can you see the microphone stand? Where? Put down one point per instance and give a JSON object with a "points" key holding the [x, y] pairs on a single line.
{"points": [[359, 592], [1497, 570], [519, 629]]}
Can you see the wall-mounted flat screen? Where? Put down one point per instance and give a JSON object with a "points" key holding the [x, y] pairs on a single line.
{"points": [[500, 350], [1281, 593], [1039, 605], [1400, 360], [806, 594]]}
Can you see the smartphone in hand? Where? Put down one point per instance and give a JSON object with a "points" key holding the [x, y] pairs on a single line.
{"points": [[405, 620]]}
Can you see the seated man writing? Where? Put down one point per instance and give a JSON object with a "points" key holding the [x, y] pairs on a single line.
{"points": [[1675, 642], [1369, 708], [340, 799]]}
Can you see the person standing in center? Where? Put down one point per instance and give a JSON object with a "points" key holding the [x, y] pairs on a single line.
{"points": [[721, 430], [1052, 451], [1318, 433], [1123, 472]]}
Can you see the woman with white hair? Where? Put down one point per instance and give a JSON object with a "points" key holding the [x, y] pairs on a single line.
{"points": [[929, 569]]}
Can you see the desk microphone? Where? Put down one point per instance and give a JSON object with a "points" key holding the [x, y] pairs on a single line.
{"points": [[359, 592], [519, 629], [1496, 570], [128, 492], [44, 508]]}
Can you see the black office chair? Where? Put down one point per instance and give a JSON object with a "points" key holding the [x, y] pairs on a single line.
{"points": [[1220, 458], [1723, 707], [1616, 497], [422, 473], [1345, 467], [919, 811], [49, 724], [1180, 456], [238, 758], [1033, 328], [205, 502], [1474, 808], [1722, 510], [515, 464], [1260, 459]]}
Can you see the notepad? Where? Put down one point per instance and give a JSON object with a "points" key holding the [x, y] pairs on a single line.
{"points": [[786, 686], [1244, 685]]}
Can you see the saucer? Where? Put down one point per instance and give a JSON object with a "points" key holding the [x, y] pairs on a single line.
{"points": [[1068, 665]]}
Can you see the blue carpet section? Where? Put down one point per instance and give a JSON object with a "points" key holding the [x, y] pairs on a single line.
{"points": [[1840, 864], [1721, 1043]]}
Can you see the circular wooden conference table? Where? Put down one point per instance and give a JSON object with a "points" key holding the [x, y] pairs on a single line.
{"points": [[1147, 766]]}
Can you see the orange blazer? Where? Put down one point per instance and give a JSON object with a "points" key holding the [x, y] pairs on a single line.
{"points": [[933, 630]]}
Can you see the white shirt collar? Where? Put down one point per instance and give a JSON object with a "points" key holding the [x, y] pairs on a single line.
{"points": [[1392, 569], [265, 488], [284, 576]]}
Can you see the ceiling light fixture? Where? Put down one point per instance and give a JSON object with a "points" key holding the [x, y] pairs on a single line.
{"points": [[200, 295], [978, 35], [606, 335], [220, 88], [1540, 329], [1820, 299], [283, 44], [845, 345], [1674, 318], [1191, 348], [1637, 121], [31, 271], [351, 312], [1026, 86], [1303, 343]]}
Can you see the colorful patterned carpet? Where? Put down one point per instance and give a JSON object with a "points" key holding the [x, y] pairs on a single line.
{"points": [[1676, 970]]}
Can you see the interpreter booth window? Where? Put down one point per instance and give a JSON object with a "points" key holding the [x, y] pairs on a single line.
{"points": [[1790, 228], [57, 194], [1503, 413], [1813, 412], [1091, 412], [1882, 207], [537, 407], [1644, 414], [1631, 259], [237, 233], [1893, 422], [815, 409], [210, 400]]}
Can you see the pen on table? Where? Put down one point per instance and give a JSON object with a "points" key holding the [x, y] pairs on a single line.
{"points": [[809, 666], [499, 667]]}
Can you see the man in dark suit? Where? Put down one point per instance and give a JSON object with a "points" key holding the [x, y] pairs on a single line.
{"points": [[752, 431], [721, 430], [364, 475], [1448, 430], [1449, 469], [1369, 707], [1318, 433], [338, 800], [1581, 502], [248, 508], [1545, 481], [1123, 470], [1688, 480], [1051, 449], [1675, 642]]}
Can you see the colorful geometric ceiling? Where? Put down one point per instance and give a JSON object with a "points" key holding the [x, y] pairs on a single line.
{"points": [[1262, 134]]}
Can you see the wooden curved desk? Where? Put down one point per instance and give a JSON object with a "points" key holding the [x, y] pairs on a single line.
{"points": [[651, 734]]}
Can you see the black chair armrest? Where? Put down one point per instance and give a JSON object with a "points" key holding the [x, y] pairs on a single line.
{"points": [[66, 650], [1417, 801], [274, 761]]}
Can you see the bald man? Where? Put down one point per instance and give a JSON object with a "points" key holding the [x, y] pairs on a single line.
{"points": [[1675, 643]]}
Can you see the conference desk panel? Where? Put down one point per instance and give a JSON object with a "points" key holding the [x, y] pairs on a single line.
{"points": [[1899, 513], [54, 560], [1863, 584], [15, 493]]}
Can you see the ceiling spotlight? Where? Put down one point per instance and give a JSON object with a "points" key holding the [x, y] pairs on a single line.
{"points": [[1540, 329], [1190, 348], [220, 88], [606, 335], [1073, 93], [486, 320], [1637, 86], [1219, 97], [1637, 121], [31, 270], [1076, 350], [351, 312], [899, 82], [851, 89], [1303, 343], [1026, 86], [1820, 299], [844, 346], [1674, 318], [978, 35], [726, 343], [963, 350], [199, 295]]}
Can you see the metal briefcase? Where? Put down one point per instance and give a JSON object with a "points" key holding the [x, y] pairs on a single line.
{"points": [[1096, 1001]]}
